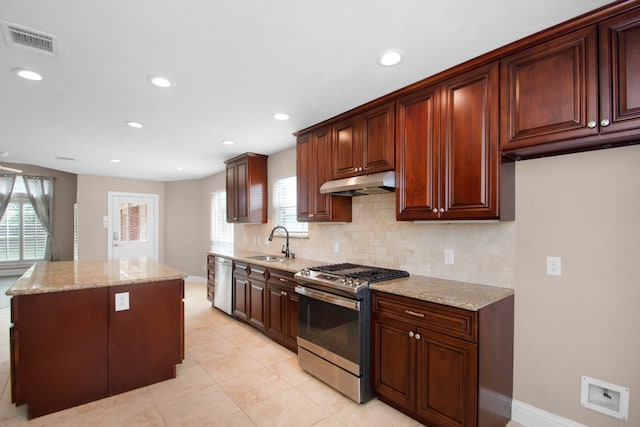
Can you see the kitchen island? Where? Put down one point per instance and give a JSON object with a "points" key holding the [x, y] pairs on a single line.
{"points": [[85, 330]]}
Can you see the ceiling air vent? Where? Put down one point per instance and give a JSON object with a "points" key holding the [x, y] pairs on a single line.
{"points": [[30, 40]]}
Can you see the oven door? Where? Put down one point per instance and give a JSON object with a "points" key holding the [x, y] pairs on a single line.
{"points": [[330, 327]]}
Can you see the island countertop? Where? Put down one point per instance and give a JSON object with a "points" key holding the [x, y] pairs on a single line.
{"points": [[57, 276]]}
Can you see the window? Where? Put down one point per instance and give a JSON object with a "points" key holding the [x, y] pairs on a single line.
{"points": [[221, 230], [284, 202], [22, 237]]}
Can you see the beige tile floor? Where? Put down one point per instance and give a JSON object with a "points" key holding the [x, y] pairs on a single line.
{"points": [[231, 376]]}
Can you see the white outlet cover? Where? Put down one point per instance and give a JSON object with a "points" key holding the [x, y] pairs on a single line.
{"points": [[448, 256], [122, 301], [554, 266]]}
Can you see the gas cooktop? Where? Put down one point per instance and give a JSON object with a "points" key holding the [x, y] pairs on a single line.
{"points": [[346, 278]]}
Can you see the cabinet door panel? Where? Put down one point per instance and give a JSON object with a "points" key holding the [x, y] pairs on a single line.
{"points": [[322, 150], [276, 312], [240, 308], [378, 146], [243, 193], [232, 202], [394, 362], [292, 320], [304, 177], [417, 135], [470, 153], [549, 92], [620, 72], [256, 302], [345, 148], [447, 383]]}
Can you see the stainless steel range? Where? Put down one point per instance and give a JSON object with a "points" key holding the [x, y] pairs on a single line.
{"points": [[334, 324]]}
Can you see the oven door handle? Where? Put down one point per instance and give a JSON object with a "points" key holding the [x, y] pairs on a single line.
{"points": [[328, 298]]}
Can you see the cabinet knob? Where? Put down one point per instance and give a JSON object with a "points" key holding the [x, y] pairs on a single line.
{"points": [[310, 215], [435, 210], [605, 123], [411, 334], [591, 124], [283, 293], [441, 210], [235, 218], [417, 336]]}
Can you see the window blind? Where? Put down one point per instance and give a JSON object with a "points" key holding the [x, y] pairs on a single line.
{"points": [[285, 206], [221, 230]]}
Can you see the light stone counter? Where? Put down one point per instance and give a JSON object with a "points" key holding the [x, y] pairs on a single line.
{"points": [[292, 265], [57, 276], [468, 296]]}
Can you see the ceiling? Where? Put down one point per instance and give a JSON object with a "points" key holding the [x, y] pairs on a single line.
{"points": [[234, 64]]}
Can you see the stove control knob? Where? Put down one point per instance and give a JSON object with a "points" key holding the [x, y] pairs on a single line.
{"points": [[305, 272], [350, 282], [343, 280]]}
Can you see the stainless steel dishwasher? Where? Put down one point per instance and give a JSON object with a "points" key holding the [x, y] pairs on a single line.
{"points": [[222, 292]]}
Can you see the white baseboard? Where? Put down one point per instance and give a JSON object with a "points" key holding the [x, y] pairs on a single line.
{"points": [[196, 279], [530, 416]]}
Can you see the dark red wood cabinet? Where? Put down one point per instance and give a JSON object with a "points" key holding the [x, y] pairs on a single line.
{"points": [[282, 309], [313, 167], [69, 348], [442, 365], [246, 189], [574, 92], [448, 163], [249, 287], [211, 277], [363, 143]]}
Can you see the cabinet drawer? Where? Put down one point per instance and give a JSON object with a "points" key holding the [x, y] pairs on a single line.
{"points": [[283, 277], [241, 268], [258, 272], [451, 321], [211, 261]]}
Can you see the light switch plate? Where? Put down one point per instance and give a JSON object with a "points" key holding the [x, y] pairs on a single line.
{"points": [[122, 301], [448, 256]]}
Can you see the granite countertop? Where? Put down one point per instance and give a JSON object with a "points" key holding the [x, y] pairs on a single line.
{"points": [[468, 296], [57, 276], [292, 265]]}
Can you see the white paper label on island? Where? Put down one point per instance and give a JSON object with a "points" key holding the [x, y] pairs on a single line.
{"points": [[122, 301]]}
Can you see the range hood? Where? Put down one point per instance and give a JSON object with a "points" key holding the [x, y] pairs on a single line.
{"points": [[377, 183]]}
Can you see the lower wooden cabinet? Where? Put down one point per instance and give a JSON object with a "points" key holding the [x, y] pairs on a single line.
{"points": [[249, 285], [442, 365], [266, 299], [282, 309]]}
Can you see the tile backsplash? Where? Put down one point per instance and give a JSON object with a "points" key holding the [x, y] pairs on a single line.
{"points": [[484, 252]]}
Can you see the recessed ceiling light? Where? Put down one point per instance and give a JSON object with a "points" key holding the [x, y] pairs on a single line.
{"points": [[179, 168], [227, 142], [114, 161], [391, 58], [136, 125], [281, 116], [27, 74], [160, 81]]}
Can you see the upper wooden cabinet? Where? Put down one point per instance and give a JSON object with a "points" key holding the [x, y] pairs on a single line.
{"points": [[247, 189], [620, 74], [578, 91], [448, 157], [313, 169], [364, 144]]}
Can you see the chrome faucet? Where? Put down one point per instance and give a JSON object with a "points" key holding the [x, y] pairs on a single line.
{"points": [[285, 249]]}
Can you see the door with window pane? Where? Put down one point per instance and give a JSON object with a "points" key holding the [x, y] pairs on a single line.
{"points": [[133, 220]]}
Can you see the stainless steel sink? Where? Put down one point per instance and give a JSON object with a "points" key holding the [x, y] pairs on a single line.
{"points": [[267, 258]]}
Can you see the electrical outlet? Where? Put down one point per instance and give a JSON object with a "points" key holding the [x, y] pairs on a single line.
{"points": [[122, 301], [336, 247], [448, 256], [554, 266]]}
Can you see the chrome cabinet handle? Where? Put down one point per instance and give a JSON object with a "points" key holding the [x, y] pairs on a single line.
{"points": [[591, 124], [413, 313], [411, 334], [417, 336], [605, 123]]}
